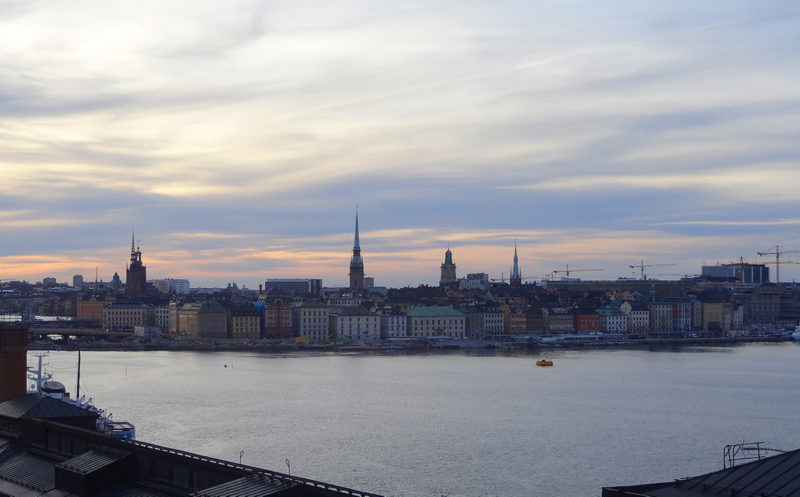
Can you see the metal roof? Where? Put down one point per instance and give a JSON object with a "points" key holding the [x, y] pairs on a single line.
{"points": [[253, 485], [89, 461], [776, 476], [29, 471], [433, 311], [38, 406]]}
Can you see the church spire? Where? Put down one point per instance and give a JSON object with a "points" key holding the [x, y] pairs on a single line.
{"points": [[356, 263], [516, 277], [356, 244]]}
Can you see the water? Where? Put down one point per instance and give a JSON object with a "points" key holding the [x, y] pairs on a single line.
{"points": [[457, 424]]}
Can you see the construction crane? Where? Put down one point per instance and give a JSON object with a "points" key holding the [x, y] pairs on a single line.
{"points": [[567, 270], [642, 265], [778, 253]]}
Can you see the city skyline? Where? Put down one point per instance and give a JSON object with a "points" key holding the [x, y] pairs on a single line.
{"points": [[236, 138]]}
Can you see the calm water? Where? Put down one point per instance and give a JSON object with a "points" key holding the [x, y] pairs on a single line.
{"points": [[456, 425]]}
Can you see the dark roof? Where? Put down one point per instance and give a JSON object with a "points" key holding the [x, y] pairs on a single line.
{"points": [[29, 471], [776, 476], [89, 461], [247, 486], [34, 405]]}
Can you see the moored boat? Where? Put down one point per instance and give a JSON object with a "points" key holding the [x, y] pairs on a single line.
{"points": [[43, 384], [544, 362], [796, 334]]}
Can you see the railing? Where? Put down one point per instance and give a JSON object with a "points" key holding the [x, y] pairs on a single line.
{"points": [[250, 469], [733, 454]]}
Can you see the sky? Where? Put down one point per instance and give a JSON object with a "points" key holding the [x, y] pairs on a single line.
{"points": [[235, 138]]}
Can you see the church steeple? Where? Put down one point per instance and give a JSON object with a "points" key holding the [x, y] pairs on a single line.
{"points": [[356, 263], [516, 277], [448, 271], [136, 272]]}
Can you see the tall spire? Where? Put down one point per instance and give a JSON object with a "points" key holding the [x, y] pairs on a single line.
{"points": [[356, 244], [133, 246], [516, 278], [356, 263]]}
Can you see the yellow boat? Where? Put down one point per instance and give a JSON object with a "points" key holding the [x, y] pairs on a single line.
{"points": [[544, 362]]}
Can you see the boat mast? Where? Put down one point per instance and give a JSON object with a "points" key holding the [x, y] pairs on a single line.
{"points": [[78, 385]]}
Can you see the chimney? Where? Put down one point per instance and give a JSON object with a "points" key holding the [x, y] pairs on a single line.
{"points": [[13, 360]]}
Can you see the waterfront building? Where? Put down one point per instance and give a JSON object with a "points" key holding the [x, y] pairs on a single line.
{"points": [[717, 316], [161, 312], [448, 278], [638, 317], [560, 320], [125, 316], [277, 318], [311, 321], [583, 323], [613, 319], [244, 321], [661, 320], [536, 318], [436, 321], [358, 325], [515, 319], [202, 320], [136, 273], [90, 307], [356, 263], [765, 303], [295, 286], [394, 324]]}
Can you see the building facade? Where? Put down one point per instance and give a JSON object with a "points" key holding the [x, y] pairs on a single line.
{"points": [[311, 321], [436, 321]]}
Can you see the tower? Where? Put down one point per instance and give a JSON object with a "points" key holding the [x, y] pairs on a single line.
{"points": [[448, 275], [516, 277], [135, 273], [13, 360], [356, 264]]}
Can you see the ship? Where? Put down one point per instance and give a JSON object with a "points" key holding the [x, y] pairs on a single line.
{"points": [[44, 385]]}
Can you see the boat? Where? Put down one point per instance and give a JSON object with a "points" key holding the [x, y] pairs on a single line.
{"points": [[43, 384], [796, 334], [544, 362]]}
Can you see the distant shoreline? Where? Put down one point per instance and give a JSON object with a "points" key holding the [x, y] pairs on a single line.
{"points": [[226, 346]]}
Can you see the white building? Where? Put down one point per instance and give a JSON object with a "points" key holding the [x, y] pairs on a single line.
{"points": [[356, 325], [311, 321], [394, 325], [436, 321], [126, 316]]}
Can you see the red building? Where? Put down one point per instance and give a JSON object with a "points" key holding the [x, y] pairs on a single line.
{"points": [[584, 323]]}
